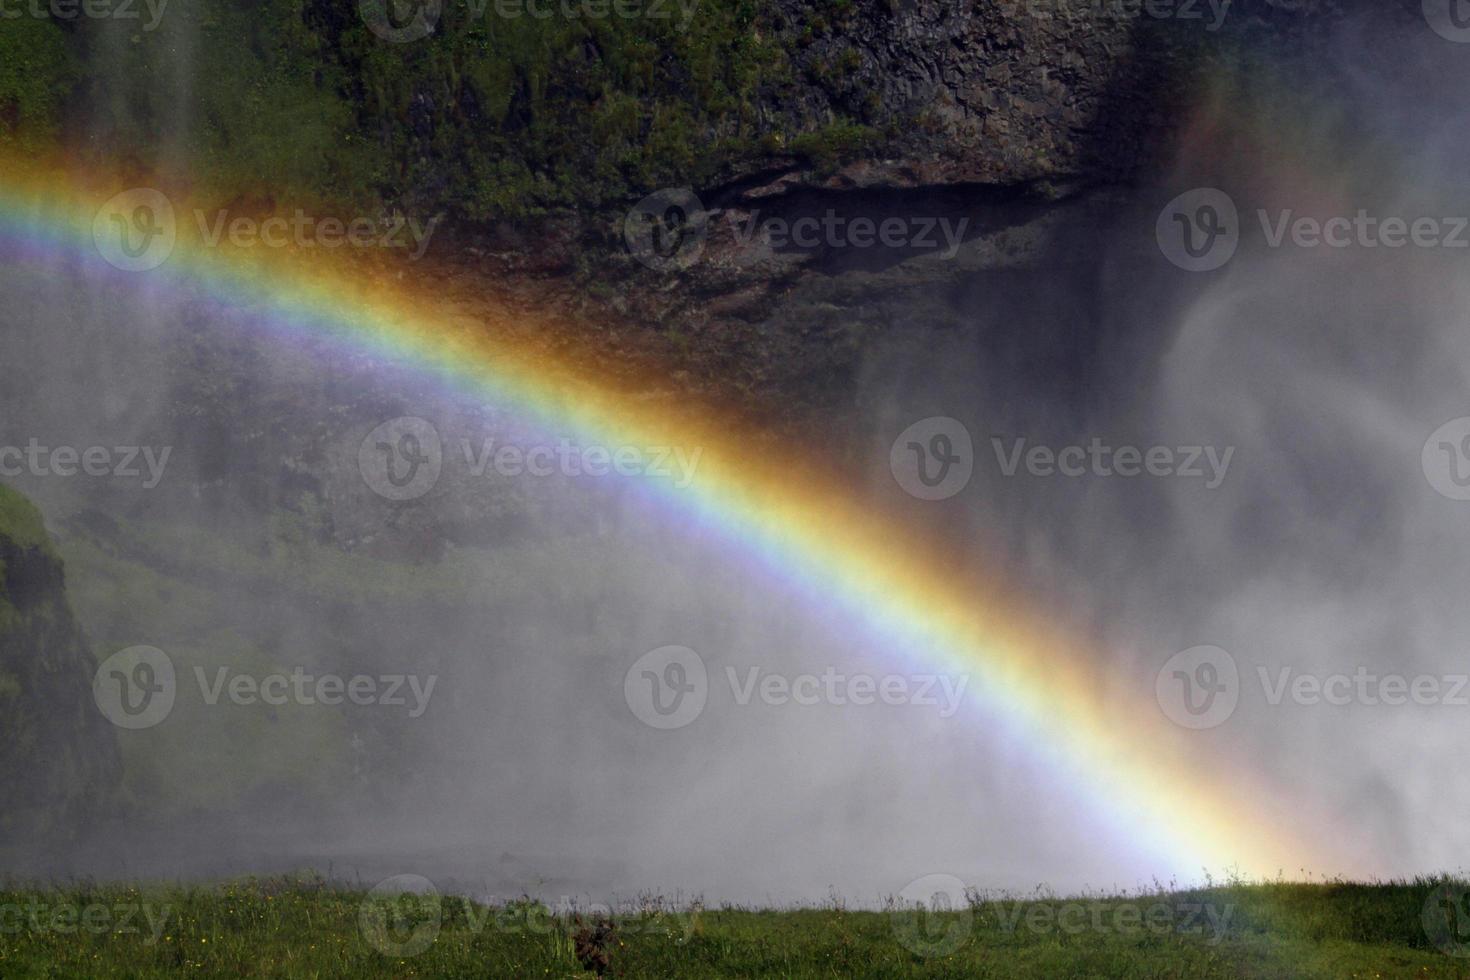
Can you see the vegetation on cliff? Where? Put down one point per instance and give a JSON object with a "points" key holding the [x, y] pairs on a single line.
{"points": [[59, 758], [489, 115]]}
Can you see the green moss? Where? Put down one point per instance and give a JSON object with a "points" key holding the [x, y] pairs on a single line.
{"points": [[487, 117], [835, 143], [21, 522], [263, 102], [36, 72]]}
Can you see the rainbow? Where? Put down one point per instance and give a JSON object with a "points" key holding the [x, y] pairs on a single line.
{"points": [[1148, 781]]}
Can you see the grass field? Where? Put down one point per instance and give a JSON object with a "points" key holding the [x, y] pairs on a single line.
{"points": [[306, 927]]}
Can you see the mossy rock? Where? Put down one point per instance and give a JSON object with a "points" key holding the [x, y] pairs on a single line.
{"points": [[59, 758], [21, 523]]}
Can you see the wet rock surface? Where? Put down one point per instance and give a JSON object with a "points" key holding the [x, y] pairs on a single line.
{"points": [[59, 759]]}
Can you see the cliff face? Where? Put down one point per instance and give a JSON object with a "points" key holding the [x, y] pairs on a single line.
{"points": [[986, 132], [837, 94], [59, 758], [983, 93], [1016, 91], [489, 117]]}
